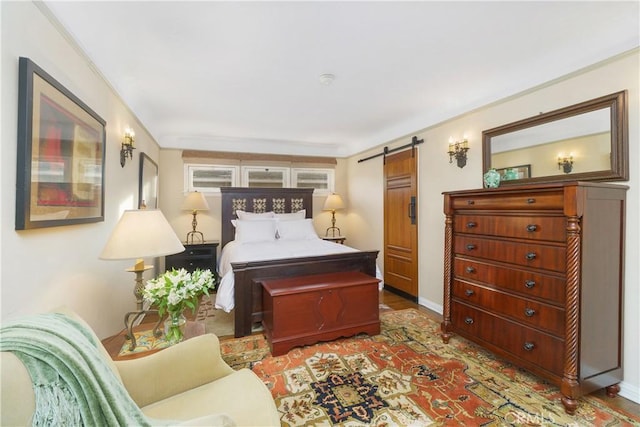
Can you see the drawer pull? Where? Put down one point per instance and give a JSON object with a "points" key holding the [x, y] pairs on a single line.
{"points": [[529, 284], [471, 224], [471, 202], [530, 256], [469, 292], [468, 320], [529, 346], [470, 269], [529, 312], [471, 247], [531, 201], [531, 228]]}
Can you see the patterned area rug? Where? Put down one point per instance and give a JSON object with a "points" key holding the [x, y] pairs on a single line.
{"points": [[407, 376]]}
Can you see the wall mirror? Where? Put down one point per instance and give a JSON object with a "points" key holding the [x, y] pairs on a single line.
{"points": [[586, 142]]}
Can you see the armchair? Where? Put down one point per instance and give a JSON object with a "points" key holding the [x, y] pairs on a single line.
{"points": [[186, 384]]}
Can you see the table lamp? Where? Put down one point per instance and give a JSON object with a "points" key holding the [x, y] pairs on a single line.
{"points": [[140, 234], [195, 202], [333, 203]]}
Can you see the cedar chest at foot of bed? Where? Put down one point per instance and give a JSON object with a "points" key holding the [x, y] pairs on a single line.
{"points": [[307, 309]]}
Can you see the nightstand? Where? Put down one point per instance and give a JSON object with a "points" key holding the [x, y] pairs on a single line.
{"points": [[335, 239], [201, 255]]}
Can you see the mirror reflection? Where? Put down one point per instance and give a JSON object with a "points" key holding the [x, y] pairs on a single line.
{"points": [[587, 141]]}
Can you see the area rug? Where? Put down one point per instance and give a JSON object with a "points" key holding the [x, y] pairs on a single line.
{"points": [[407, 376]]}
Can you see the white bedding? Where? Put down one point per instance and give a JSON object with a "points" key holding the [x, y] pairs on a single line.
{"points": [[262, 251]]}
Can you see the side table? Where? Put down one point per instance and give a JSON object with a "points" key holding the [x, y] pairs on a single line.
{"points": [[335, 239], [199, 255]]}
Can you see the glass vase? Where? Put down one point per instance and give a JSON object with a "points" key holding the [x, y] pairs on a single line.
{"points": [[174, 327], [491, 179]]}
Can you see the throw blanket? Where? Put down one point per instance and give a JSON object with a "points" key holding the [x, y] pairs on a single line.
{"points": [[72, 382]]}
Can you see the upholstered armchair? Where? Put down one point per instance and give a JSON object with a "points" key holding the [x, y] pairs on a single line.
{"points": [[187, 383]]}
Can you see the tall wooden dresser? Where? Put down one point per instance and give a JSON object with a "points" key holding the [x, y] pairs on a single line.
{"points": [[534, 273]]}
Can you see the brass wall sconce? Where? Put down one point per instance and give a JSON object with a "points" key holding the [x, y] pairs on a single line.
{"points": [[565, 163], [458, 150], [126, 150]]}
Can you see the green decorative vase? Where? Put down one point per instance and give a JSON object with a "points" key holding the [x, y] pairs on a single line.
{"points": [[491, 179], [174, 327], [510, 174]]}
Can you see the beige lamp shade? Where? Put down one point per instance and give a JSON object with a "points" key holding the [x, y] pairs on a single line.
{"points": [[139, 234], [333, 202], [195, 201]]}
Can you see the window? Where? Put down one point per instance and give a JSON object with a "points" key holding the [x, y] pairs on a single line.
{"points": [[255, 176], [209, 178], [322, 180]]}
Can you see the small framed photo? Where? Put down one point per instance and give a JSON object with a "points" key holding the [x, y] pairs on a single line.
{"points": [[148, 183], [514, 172], [61, 149]]}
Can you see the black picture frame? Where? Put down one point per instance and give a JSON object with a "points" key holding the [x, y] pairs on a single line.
{"points": [[60, 156], [148, 183]]}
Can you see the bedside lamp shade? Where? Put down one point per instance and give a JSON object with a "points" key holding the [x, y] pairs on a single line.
{"points": [[195, 202], [333, 203], [139, 234]]}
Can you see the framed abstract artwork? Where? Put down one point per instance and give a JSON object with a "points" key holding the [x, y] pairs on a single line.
{"points": [[61, 149], [148, 183]]}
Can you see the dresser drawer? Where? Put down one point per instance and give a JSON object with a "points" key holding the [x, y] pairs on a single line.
{"points": [[532, 255], [526, 283], [551, 228], [548, 200], [536, 347], [528, 312]]}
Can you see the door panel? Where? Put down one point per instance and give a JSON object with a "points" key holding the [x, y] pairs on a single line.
{"points": [[400, 223]]}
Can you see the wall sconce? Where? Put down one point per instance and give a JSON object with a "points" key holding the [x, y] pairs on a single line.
{"points": [[565, 163], [458, 150], [126, 150]]}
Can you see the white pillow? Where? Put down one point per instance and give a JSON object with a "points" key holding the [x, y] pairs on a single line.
{"points": [[256, 230], [248, 216], [298, 229], [291, 216]]}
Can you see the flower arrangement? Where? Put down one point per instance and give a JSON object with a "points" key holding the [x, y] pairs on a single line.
{"points": [[174, 291]]}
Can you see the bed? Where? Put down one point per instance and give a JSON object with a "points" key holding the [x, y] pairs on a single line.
{"points": [[246, 292]]}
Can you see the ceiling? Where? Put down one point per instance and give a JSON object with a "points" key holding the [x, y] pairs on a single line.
{"points": [[245, 76]]}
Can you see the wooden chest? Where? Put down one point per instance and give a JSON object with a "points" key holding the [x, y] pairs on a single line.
{"points": [[534, 273], [308, 309]]}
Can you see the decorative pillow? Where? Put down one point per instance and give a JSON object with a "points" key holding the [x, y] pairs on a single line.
{"points": [[298, 229], [257, 230], [291, 216], [248, 216]]}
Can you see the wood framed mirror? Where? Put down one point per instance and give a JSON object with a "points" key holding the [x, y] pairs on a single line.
{"points": [[583, 142]]}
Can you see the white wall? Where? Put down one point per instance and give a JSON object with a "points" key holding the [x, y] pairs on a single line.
{"points": [[44, 268], [436, 175]]}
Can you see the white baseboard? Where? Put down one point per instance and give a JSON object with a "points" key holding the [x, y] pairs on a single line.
{"points": [[430, 305], [630, 392]]}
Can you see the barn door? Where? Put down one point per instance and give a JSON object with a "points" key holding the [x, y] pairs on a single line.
{"points": [[400, 223]]}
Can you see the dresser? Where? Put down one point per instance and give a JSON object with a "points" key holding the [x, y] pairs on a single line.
{"points": [[202, 256], [534, 273]]}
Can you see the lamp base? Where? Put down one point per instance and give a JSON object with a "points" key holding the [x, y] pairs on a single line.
{"points": [[192, 235], [333, 232], [132, 317]]}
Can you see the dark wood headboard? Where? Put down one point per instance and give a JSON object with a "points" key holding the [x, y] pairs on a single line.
{"points": [[278, 200]]}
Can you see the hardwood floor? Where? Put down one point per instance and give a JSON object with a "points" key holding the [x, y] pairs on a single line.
{"points": [[397, 302]]}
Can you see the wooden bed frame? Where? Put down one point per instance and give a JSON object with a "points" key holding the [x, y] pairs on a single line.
{"points": [[247, 293]]}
